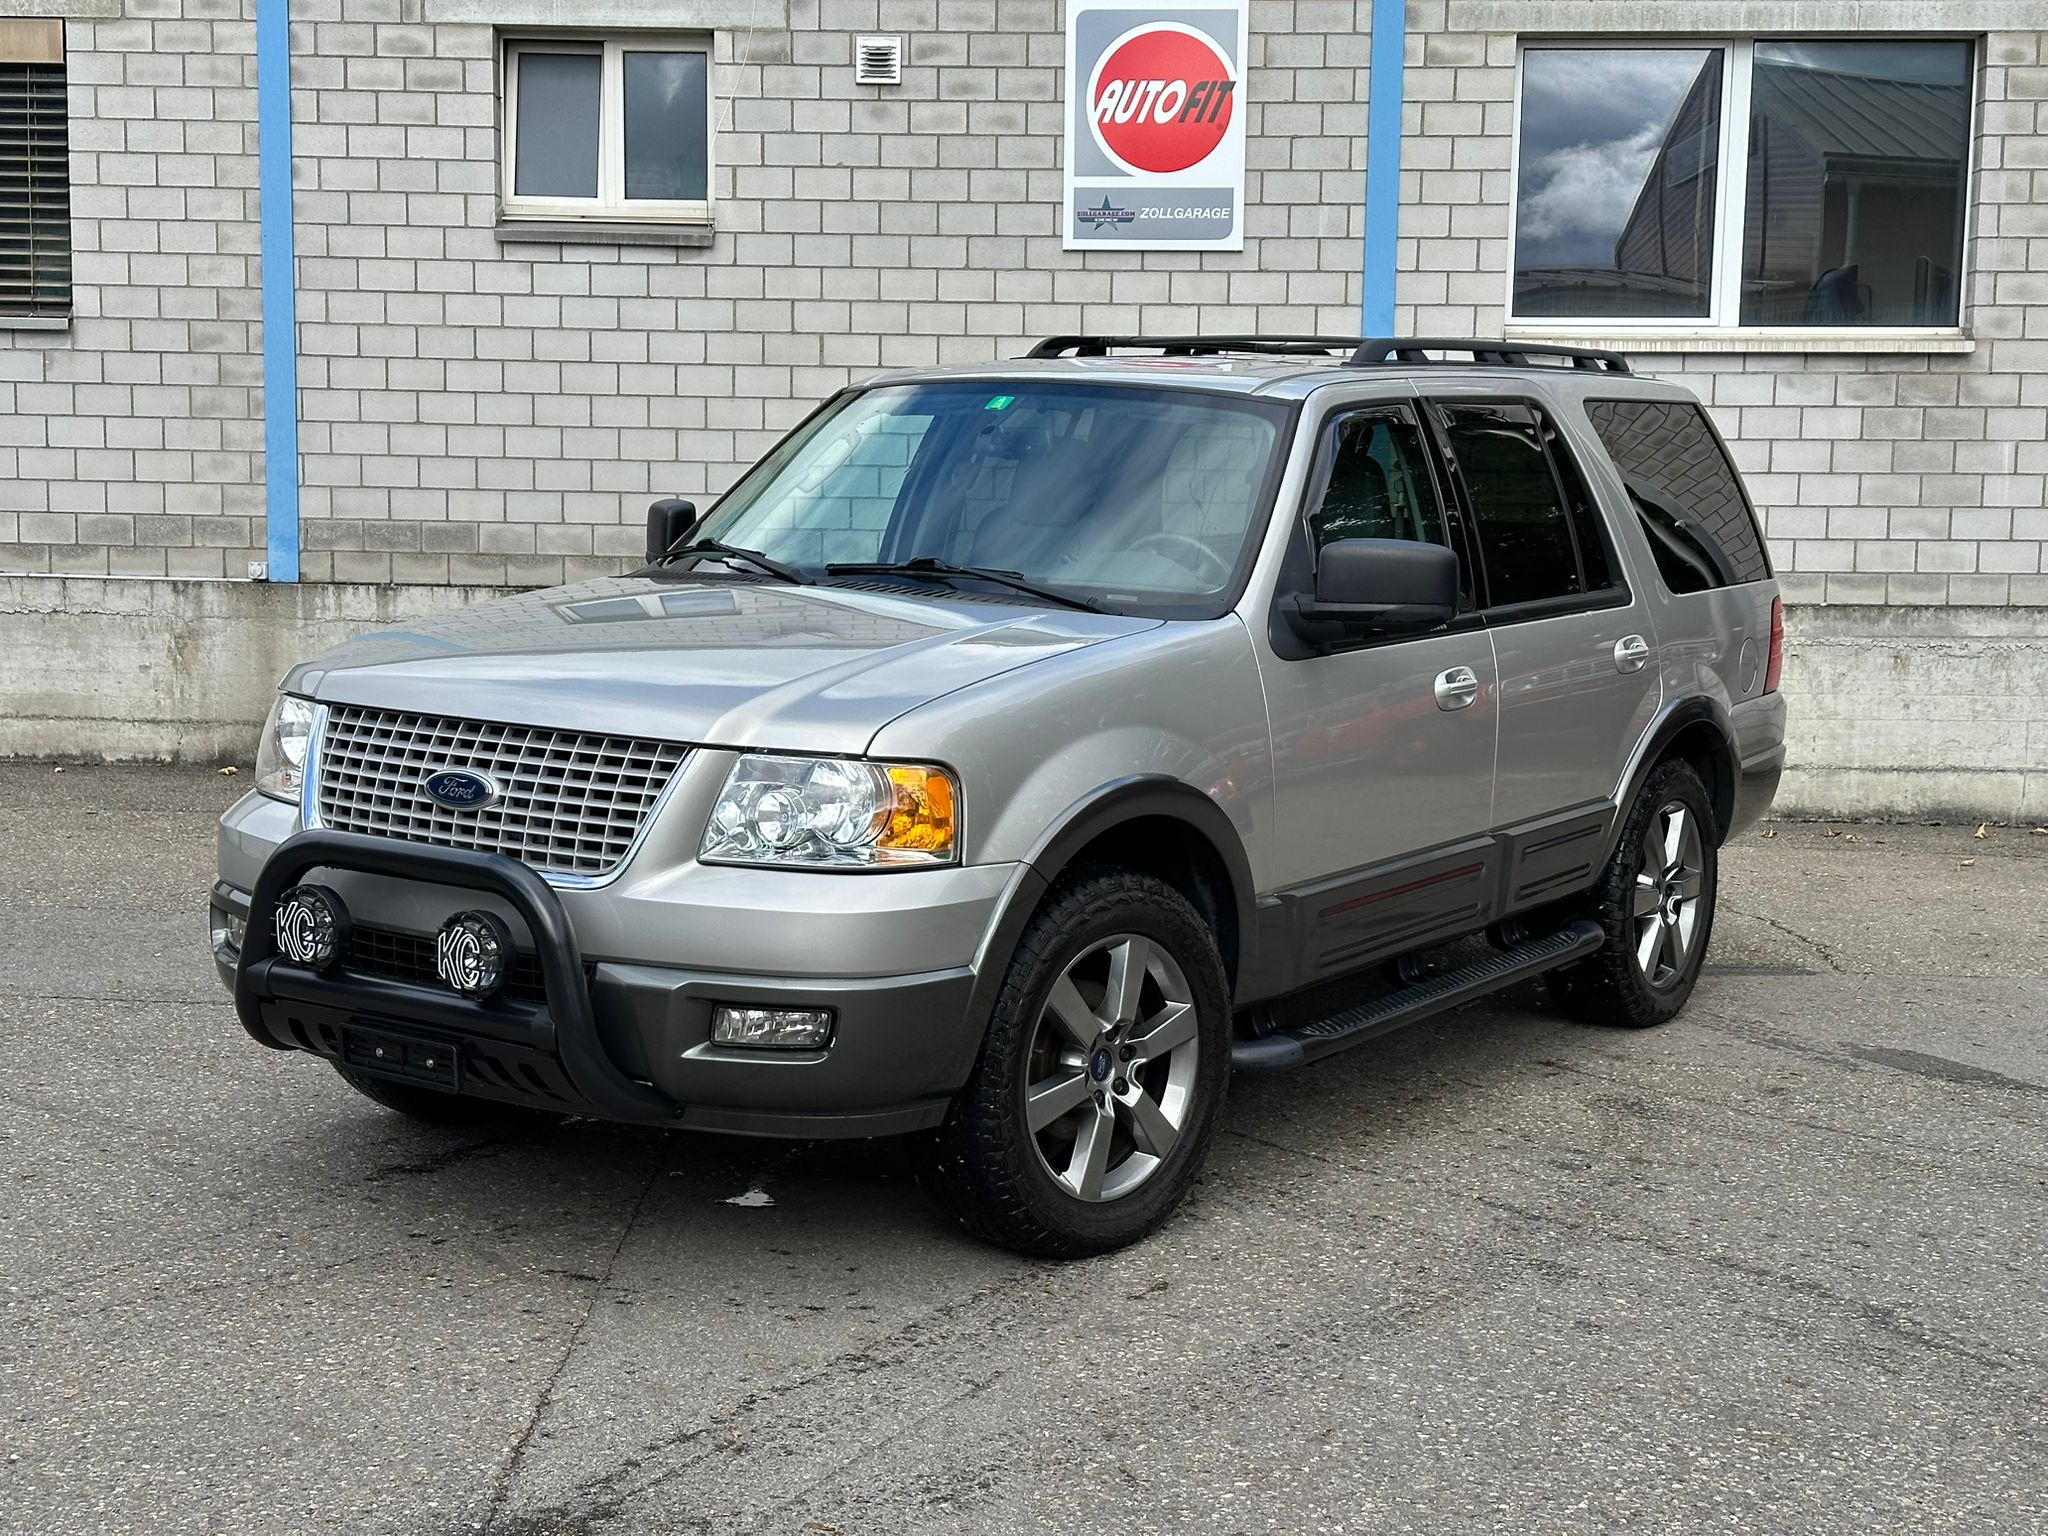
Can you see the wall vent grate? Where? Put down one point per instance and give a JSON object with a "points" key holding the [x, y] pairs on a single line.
{"points": [[878, 61]]}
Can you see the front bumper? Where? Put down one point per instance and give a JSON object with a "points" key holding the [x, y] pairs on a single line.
{"points": [[628, 1037]]}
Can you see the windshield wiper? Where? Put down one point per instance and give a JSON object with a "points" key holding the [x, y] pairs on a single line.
{"points": [[946, 570], [753, 557]]}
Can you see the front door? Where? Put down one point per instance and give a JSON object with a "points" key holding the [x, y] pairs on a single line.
{"points": [[1383, 751]]}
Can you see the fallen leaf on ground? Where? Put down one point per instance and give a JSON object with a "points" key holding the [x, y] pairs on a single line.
{"points": [[1831, 832], [1966, 863], [2039, 832], [230, 771], [1983, 829], [1772, 832]]}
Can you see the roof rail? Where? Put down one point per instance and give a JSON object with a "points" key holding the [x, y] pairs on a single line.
{"points": [[1196, 346], [1404, 350]]}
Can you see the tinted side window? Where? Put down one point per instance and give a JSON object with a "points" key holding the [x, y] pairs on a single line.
{"points": [[1529, 538], [1379, 485], [1685, 492]]}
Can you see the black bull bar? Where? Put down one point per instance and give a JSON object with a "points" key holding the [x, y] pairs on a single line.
{"points": [[564, 1029]]}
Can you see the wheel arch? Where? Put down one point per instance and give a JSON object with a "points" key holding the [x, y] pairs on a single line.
{"points": [[1158, 825], [1701, 734]]}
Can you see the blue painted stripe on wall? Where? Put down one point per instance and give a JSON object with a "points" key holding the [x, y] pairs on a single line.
{"points": [[280, 300], [1383, 164]]}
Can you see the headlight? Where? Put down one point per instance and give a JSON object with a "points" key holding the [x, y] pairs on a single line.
{"points": [[833, 813], [281, 754]]}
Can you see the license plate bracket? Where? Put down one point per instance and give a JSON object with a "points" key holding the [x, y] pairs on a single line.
{"points": [[409, 1058]]}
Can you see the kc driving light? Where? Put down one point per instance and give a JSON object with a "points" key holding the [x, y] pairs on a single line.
{"points": [[311, 926], [473, 953], [281, 754], [833, 813]]}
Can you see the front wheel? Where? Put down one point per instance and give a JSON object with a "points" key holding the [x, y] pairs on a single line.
{"points": [[1656, 901], [1102, 1075]]}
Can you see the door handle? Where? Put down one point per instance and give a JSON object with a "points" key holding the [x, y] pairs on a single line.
{"points": [[1630, 652], [1456, 688]]}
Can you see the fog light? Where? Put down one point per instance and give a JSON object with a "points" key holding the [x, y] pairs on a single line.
{"points": [[227, 930], [311, 926], [771, 1029], [473, 953]]}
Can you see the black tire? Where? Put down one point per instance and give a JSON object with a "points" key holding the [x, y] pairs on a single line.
{"points": [[990, 1169], [431, 1107], [1616, 986]]}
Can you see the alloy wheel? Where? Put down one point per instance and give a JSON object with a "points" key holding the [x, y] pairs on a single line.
{"points": [[1666, 904], [1112, 1065]]}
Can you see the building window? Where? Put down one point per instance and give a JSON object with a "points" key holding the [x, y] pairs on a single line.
{"points": [[607, 128], [1787, 184], [35, 174]]}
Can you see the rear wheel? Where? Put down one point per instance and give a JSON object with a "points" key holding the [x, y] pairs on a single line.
{"points": [[1104, 1069], [447, 1109], [1656, 901]]}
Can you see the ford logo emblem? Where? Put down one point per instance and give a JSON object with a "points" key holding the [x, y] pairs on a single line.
{"points": [[460, 790]]}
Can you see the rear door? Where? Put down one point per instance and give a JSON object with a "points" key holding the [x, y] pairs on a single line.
{"points": [[1573, 642]]}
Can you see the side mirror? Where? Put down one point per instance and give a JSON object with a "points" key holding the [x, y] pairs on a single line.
{"points": [[1382, 585], [669, 522]]}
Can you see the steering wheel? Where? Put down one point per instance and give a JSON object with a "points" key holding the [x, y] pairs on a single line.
{"points": [[1176, 547]]}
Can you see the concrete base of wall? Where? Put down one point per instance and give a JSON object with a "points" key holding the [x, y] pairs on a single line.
{"points": [[1917, 713], [1896, 712], [169, 671]]}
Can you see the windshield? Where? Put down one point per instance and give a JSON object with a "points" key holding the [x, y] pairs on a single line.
{"points": [[1138, 500]]}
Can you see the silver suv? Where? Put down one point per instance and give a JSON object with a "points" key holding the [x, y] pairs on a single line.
{"points": [[1019, 748]]}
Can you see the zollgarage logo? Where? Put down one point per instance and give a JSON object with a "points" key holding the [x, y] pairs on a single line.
{"points": [[1155, 124], [1161, 100]]}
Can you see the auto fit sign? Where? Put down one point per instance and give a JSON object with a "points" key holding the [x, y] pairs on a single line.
{"points": [[1155, 126]]}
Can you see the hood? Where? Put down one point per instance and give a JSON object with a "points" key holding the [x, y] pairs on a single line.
{"points": [[717, 662]]}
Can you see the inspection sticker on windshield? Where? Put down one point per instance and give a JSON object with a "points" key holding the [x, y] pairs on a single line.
{"points": [[999, 403]]}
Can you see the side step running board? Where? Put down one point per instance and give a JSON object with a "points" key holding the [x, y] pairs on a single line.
{"points": [[1350, 1026]]}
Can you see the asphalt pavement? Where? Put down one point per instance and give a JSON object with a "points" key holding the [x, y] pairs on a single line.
{"points": [[1777, 1267]]}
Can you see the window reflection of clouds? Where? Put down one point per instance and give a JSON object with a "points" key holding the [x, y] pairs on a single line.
{"points": [[1928, 63], [1592, 123], [666, 149]]}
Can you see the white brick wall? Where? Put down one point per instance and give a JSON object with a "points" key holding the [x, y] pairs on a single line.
{"points": [[132, 444], [483, 412], [478, 412], [1897, 479]]}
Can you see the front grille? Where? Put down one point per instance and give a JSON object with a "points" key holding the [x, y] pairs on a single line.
{"points": [[569, 802], [410, 958]]}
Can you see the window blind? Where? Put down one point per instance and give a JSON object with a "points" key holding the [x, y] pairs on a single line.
{"points": [[35, 189]]}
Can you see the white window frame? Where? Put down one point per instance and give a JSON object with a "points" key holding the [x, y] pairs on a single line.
{"points": [[611, 205], [1723, 320]]}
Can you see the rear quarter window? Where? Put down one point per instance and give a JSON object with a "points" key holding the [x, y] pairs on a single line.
{"points": [[1685, 492]]}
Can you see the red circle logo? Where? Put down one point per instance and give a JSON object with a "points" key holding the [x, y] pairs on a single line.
{"points": [[1161, 98]]}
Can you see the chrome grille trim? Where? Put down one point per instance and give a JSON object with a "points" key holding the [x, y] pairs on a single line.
{"points": [[572, 804]]}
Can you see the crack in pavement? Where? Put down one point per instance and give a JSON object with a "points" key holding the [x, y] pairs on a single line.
{"points": [[1940, 1069], [1940, 1157], [502, 1490], [1894, 1321], [600, 1498], [1826, 954]]}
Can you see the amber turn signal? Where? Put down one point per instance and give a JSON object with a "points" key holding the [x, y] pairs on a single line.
{"points": [[922, 819]]}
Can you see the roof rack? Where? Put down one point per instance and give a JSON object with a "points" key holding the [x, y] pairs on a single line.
{"points": [[1196, 346], [1356, 351], [1401, 351]]}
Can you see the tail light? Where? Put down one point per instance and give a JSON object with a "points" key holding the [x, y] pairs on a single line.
{"points": [[1776, 664]]}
